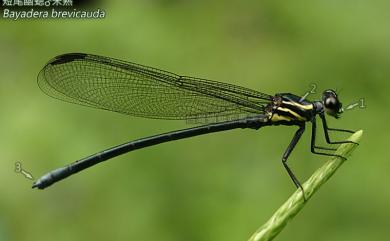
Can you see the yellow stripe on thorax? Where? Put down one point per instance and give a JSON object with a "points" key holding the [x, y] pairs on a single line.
{"points": [[305, 107], [276, 117], [297, 116]]}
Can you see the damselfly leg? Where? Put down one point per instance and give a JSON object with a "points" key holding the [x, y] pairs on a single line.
{"points": [[287, 153], [313, 146], [327, 129]]}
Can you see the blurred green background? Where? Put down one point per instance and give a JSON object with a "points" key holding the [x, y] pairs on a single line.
{"points": [[216, 187]]}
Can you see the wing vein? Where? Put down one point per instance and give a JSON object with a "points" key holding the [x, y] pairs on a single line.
{"points": [[138, 90]]}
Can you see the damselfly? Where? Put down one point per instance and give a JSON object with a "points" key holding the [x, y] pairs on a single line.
{"points": [[138, 90]]}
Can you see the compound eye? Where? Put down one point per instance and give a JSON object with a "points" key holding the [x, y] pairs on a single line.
{"points": [[331, 102]]}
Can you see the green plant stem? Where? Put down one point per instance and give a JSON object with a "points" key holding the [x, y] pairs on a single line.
{"points": [[296, 202]]}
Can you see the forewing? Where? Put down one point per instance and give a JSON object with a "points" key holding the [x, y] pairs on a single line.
{"points": [[137, 90]]}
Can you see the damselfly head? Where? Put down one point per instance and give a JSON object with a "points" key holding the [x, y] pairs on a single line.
{"points": [[331, 103]]}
